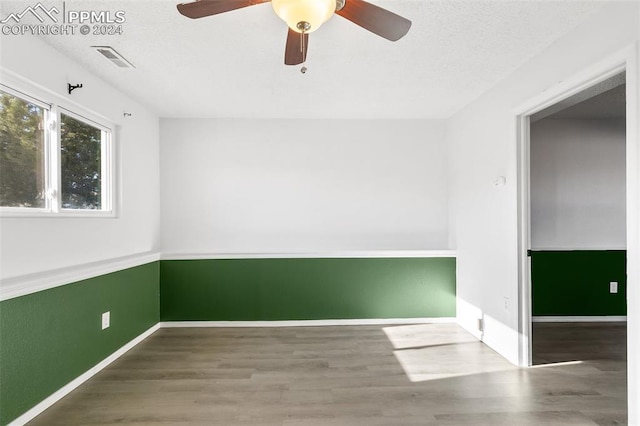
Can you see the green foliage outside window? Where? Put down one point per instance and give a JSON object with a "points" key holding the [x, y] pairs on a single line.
{"points": [[23, 158], [22, 177], [80, 145]]}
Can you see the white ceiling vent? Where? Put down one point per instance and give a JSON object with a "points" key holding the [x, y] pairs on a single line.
{"points": [[113, 56]]}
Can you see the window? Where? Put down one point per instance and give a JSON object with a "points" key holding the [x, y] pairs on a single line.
{"points": [[22, 153], [52, 160], [81, 166]]}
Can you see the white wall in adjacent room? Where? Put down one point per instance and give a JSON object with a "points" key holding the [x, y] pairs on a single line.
{"points": [[292, 186], [578, 184], [30, 245]]}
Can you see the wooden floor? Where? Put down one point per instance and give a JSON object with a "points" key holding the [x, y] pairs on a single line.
{"points": [[434, 374]]}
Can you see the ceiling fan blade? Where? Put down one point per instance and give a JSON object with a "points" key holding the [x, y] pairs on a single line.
{"points": [[296, 50], [375, 19], [202, 8]]}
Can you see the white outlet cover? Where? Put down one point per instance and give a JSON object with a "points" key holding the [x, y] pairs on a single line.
{"points": [[106, 319], [613, 287]]}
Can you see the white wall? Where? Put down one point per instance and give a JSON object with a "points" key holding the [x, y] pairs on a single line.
{"points": [[484, 219], [286, 186], [578, 186], [30, 245]]}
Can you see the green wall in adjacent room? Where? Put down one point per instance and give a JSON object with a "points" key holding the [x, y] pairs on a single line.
{"points": [[307, 289], [51, 337], [576, 283]]}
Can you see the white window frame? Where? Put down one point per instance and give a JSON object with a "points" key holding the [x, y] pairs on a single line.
{"points": [[106, 166], [52, 164]]}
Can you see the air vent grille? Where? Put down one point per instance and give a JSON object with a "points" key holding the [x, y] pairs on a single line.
{"points": [[113, 56]]}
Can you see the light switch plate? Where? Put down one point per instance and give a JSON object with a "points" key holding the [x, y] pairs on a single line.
{"points": [[613, 287]]}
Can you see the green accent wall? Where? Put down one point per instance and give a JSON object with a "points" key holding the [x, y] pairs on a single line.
{"points": [[307, 289], [49, 338], [576, 283]]}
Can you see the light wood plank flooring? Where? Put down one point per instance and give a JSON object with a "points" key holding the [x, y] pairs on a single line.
{"points": [[433, 374]]}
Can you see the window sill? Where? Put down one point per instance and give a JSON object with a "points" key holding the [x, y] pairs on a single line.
{"points": [[42, 214]]}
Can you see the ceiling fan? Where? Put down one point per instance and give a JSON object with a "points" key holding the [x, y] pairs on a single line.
{"points": [[306, 16]]}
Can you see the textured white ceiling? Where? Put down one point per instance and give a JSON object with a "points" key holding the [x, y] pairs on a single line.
{"points": [[231, 65]]}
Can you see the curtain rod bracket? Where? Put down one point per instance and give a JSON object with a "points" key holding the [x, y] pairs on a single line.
{"points": [[71, 87]]}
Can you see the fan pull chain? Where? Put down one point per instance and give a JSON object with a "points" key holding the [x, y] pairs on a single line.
{"points": [[303, 70], [303, 26]]}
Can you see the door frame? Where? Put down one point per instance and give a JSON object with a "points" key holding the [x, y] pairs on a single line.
{"points": [[623, 60]]}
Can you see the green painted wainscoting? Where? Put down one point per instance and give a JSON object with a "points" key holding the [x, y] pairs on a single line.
{"points": [[49, 338], [307, 289], [576, 283]]}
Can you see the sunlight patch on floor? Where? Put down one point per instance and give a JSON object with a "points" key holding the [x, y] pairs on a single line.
{"points": [[557, 364], [439, 351]]}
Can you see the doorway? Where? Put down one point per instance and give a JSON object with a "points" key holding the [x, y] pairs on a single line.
{"points": [[625, 60], [577, 187]]}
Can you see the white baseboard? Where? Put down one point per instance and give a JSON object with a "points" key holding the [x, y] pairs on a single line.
{"points": [[65, 390], [306, 323], [607, 318]]}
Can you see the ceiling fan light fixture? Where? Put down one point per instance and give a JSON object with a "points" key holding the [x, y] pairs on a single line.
{"points": [[313, 12]]}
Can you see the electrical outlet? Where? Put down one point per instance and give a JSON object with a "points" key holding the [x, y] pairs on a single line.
{"points": [[480, 324], [613, 287], [106, 319], [506, 304]]}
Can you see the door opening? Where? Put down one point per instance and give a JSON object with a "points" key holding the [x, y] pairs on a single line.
{"points": [[577, 189], [623, 61]]}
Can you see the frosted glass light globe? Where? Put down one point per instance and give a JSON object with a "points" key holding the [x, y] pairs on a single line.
{"points": [[315, 12]]}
